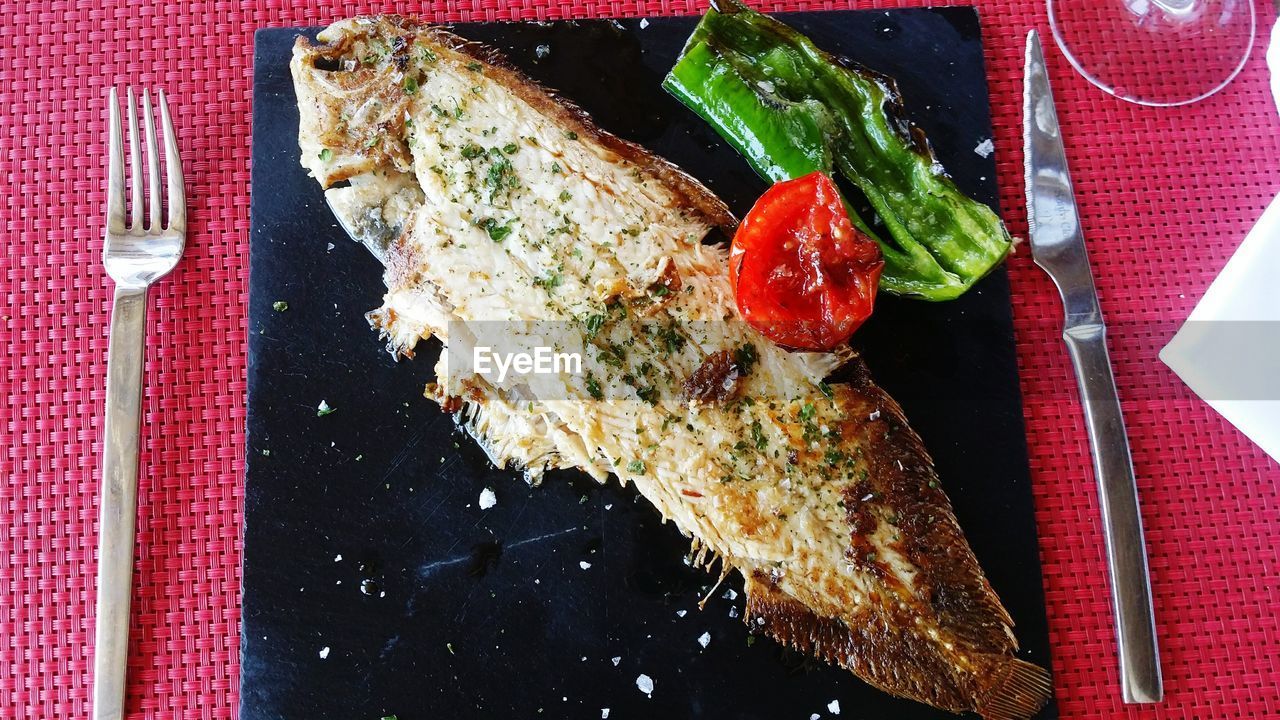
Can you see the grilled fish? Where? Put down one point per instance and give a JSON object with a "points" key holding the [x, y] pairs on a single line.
{"points": [[495, 204]]}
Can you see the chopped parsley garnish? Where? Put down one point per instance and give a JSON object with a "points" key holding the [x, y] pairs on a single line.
{"points": [[757, 434], [471, 151], [825, 389], [807, 411], [550, 282], [671, 340], [325, 155], [410, 84], [555, 168], [613, 355], [426, 54], [636, 466], [565, 196], [648, 394], [745, 356], [510, 148], [593, 324], [497, 231], [474, 66], [571, 135], [279, 306], [501, 176], [593, 387]]}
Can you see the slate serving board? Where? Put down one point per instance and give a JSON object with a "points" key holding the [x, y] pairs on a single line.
{"points": [[374, 585]]}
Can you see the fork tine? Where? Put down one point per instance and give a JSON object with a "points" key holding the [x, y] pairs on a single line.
{"points": [[173, 170], [153, 162], [135, 164], [115, 167]]}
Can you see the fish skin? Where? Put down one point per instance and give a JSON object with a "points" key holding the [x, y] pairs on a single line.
{"points": [[847, 543]]}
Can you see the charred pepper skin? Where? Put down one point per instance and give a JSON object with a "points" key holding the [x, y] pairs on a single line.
{"points": [[789, 108]]}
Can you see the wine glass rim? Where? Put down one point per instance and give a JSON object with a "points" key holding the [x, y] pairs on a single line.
{"points": [[1079, 67]]}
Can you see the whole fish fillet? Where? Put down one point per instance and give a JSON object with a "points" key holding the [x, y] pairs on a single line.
{"points": [[502, 210]]}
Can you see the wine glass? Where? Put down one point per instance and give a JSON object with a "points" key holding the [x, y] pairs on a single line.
{"points": [[1155, 52]]}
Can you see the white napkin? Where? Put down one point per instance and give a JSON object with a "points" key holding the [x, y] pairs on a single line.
{"points": [[1228, 351]]}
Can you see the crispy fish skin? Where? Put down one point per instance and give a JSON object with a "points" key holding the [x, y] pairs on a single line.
{"points": [[823, 498]]}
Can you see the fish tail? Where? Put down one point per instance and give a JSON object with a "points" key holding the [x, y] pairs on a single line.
{"points": [[1016, 689]]}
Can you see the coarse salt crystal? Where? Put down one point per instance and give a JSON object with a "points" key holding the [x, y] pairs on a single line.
{"points": [[584, 565], [645, 683], [730, 594], [814, 716], [874, 416], [487, 499], [833, 707], [704, 639], [617, 660], [604, 713], [324, 652], [644, 23], [985, 148], [337, 558]]}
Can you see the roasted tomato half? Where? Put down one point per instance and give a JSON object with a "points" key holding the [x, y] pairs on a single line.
{"points": [[803, 275]]}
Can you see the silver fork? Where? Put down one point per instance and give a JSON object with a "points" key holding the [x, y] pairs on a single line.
{"points": [[135, 255]]}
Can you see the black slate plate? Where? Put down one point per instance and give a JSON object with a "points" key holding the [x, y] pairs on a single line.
{"points": [[373, 584]]}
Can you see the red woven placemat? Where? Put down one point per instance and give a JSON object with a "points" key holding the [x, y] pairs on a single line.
{"points": [[1166, 195]]}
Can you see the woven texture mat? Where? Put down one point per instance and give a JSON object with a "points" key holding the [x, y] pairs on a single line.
{"points": [[1166, 195]]}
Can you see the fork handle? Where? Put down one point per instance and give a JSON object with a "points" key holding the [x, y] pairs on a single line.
{"points": [[119, 500]]}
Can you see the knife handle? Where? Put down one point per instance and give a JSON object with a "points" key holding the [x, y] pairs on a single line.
{"points": [[1140, 680]]}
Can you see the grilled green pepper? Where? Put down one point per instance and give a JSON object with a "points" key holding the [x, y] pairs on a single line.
{"points": [[791, 108]]}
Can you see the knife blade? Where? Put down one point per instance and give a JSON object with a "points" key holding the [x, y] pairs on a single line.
{"points": [[1057, 246]]}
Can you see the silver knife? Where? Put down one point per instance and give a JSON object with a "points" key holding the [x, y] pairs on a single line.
{"points": [[1057, 245]]}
